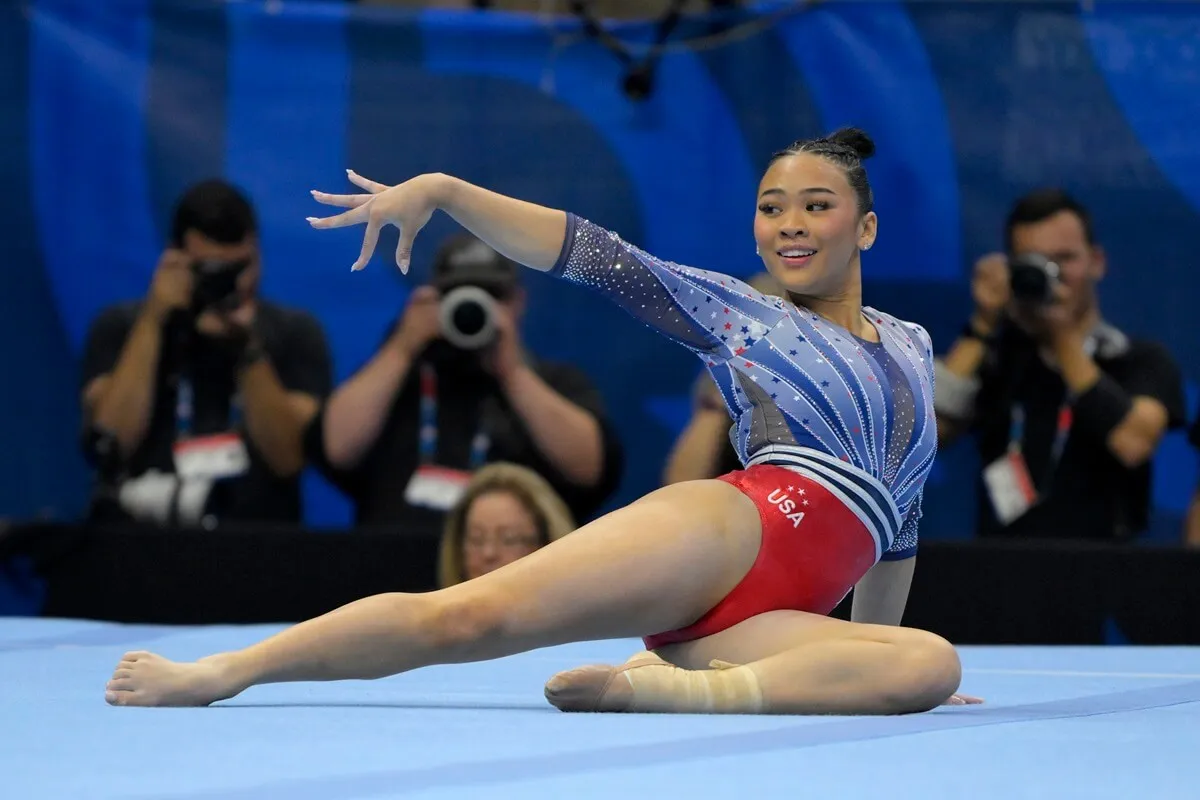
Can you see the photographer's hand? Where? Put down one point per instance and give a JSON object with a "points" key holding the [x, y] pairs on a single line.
{"points": [[504, 357], [235, 327], [171, 287], [420, 325], [990, 291]]}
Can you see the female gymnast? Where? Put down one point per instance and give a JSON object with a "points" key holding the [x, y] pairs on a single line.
{"points": [[728, 581]]}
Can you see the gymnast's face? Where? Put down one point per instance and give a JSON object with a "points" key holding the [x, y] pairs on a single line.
{"points": [[807, 225], [499, 530]]}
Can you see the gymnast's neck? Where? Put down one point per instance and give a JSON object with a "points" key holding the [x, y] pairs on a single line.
{"points": [[842, 307]]}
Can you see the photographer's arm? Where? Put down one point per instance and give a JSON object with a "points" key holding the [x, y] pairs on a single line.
{"points": [[565, 434], [957, 380], [276, 417], [1130, 423], [355, 414], [958, 370], [120, 402]]}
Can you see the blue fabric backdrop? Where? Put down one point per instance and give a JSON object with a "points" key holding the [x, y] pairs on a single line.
{"points": [[109, 109]]}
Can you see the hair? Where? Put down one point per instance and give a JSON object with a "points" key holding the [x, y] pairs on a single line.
{"points": [[216, 210], [1041, 204], [846, 147], [550, 513]]}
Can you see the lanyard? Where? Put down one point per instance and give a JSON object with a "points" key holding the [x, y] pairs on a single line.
{"points": [[1016, 430], [185, 409], [1016, 434], [427, 437]]}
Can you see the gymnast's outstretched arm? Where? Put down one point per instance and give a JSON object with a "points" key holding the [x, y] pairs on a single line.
{"points": [[692, 307], [527, 233]]}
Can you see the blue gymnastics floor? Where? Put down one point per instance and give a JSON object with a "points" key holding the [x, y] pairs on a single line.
{"points": [[1104, 722]]}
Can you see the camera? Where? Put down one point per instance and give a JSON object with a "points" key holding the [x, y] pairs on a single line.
{"points": [[468, 317], [215, 284], [1033, 278]]}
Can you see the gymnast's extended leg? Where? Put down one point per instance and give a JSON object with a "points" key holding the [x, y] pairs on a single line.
{"points": [[655, 565], [781, 662]]}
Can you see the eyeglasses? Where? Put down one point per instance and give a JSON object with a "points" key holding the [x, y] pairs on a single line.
{"points": [[505, 539]]}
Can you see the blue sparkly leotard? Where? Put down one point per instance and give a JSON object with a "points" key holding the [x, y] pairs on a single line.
{"points": [[855, 416]]}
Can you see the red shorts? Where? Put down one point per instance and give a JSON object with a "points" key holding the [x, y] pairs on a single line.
{"points": [[814, 549]]}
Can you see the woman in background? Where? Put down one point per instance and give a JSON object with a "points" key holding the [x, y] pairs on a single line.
{"points": [[506, 513]]}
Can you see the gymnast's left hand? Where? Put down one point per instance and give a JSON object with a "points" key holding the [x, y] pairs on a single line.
{"points": [[963, 700], [407, 205]]}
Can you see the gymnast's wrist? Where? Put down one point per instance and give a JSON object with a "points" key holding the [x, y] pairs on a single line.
{"points": [[443, 190]]}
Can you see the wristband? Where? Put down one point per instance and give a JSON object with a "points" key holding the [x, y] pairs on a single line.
{"points": [[1102, 407]]}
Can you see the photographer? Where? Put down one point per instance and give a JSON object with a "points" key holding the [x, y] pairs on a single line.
{"points": [[195, 399], [1067, 409], [450, 390]]}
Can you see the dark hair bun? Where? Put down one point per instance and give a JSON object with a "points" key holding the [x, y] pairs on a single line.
{"points": [[855, 139]]}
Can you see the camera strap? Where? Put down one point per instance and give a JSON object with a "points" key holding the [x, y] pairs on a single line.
{"points": [[1063, 422], [208, 457], [185, 409], [427, 437], [1062, 431]]}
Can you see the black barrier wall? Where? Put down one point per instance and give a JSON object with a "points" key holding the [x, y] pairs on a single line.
{"points": [[971, 593]]}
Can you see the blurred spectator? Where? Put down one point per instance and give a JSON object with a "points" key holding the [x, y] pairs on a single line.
{"points": [[506, 513], [452, 389], [1068, 410], [1192, 533], [196, 398], [704, 449]]}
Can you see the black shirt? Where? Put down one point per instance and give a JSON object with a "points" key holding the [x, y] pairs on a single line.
{"points": [[297, 350], [1089, 493], [1194, 431], [468, 400]]}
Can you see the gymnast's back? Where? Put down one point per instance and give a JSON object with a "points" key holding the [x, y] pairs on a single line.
{"points": [[803, 392]]}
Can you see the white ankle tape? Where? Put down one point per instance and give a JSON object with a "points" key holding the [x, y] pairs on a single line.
{"points": [[725, 689]]}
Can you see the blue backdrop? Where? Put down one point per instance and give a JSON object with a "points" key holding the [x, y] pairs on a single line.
{"points": [[109, 109]]}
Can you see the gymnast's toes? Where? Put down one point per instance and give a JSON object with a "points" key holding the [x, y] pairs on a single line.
{"points": [[144, 679]]}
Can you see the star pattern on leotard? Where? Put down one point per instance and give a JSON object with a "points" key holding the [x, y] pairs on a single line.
{"points": [[866, 405]]}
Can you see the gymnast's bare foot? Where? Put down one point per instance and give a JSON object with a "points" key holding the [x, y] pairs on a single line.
{"points": [[144, 679]]}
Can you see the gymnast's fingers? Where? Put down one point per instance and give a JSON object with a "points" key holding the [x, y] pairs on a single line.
{"points": [[370, 239], [371, 186], [352, 217], [340, 200], [408, 233]]}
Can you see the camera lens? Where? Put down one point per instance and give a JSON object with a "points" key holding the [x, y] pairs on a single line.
{"points": [[1032, 278], [468, 317], [1028, 283]]}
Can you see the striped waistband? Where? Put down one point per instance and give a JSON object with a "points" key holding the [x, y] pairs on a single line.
{"points": [[862, 493]]}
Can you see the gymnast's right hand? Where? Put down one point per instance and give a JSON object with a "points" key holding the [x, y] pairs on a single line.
{"points": [[407, 205]]}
